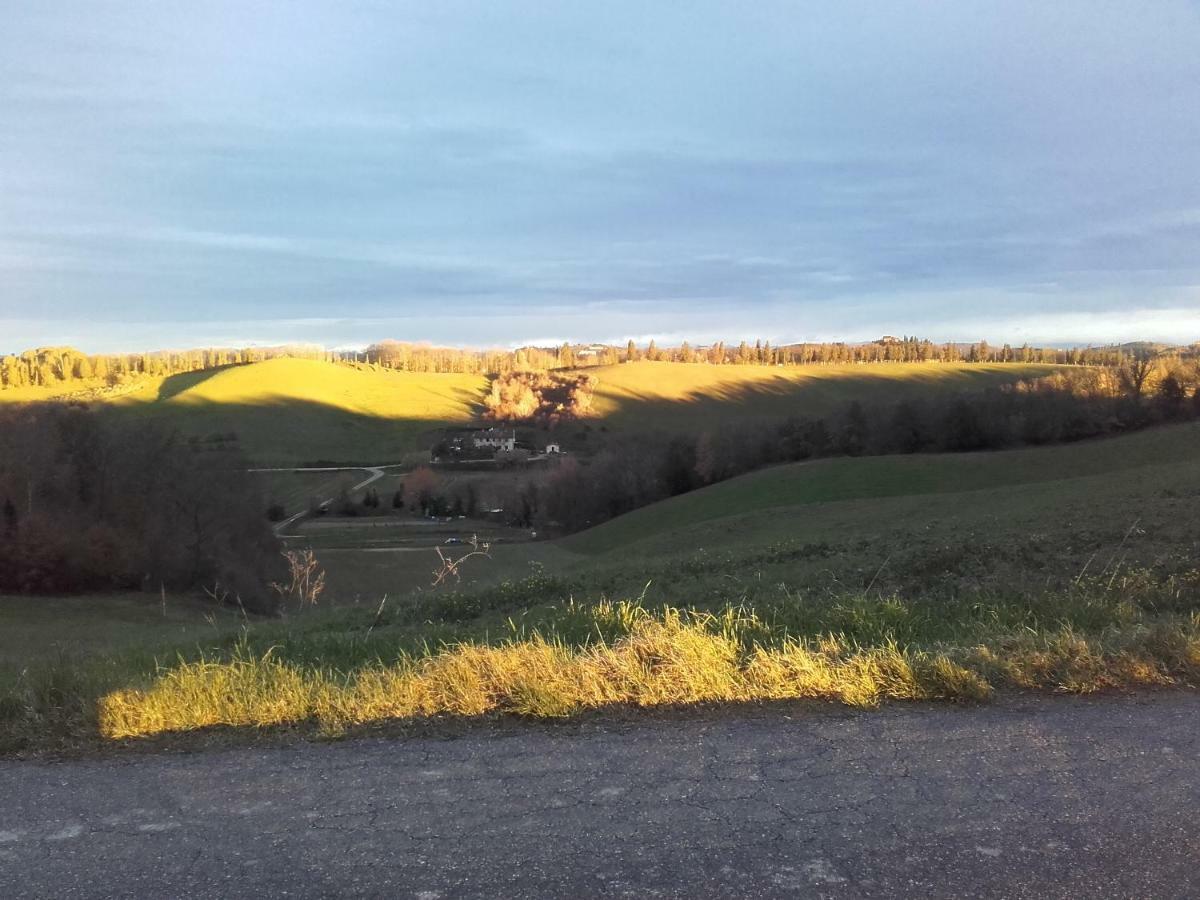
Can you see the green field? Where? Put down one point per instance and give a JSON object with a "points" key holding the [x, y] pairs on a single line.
{"points": [[830, 481], [1070, 567], [854, 579]]}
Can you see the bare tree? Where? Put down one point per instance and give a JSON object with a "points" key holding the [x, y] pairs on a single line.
{"points": [[1134, 372]]}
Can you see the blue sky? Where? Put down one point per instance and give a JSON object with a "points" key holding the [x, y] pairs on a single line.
{"points": [[192, 173]]}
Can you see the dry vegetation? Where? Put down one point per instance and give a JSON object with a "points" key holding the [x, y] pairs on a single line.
{"points": [[663, 659]]}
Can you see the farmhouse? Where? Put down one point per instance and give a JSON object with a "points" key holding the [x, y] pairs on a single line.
{"points": [[552, 449], [495, 438]]}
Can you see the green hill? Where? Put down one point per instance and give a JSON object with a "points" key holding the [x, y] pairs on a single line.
{"points": [[291, 411], [1096, 468]]}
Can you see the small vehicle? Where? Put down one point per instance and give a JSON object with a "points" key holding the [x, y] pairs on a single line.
{"points": [[452, 540]]}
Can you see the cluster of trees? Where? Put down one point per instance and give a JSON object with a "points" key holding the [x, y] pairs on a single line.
{"points": [[87, 503], [66, 366], [406, 357], [539, 397], [1067, 406], [425, 493]]}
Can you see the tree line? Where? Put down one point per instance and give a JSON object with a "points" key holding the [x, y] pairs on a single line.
{"points": [[66, 366], [89, 503], [1070, 405]]}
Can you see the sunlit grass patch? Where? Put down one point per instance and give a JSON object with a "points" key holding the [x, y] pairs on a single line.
{"points": [[516, 652], [668, 658]]}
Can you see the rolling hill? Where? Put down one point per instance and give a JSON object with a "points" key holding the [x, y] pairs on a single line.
{"points": [[691, 396], [292, 411], [824, 488], [288, 411]]}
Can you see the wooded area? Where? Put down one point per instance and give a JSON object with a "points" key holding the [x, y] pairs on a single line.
{"points": [[88, 504]]}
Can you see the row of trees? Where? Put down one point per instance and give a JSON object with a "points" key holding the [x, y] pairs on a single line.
{"points": [[906, 350], [66, 366], [1065, 407], [417, 358], [87, 503]]}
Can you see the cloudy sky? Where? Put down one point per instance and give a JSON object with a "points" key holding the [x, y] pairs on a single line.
{"points": [[187, 173]]}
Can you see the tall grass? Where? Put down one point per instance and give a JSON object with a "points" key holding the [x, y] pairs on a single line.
{"points": [[344, 669], [666, 658]]}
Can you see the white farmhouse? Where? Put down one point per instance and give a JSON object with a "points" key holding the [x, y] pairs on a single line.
{"points": [[495, 438]]}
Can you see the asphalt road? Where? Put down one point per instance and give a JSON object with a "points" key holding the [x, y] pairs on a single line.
{"points": [[1049, 797]]}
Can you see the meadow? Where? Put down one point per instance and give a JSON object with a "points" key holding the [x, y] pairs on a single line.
{"points": [[304, 412], [854, 580], [300, 412], [670, 396]]}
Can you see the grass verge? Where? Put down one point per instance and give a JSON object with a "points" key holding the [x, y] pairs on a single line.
{"points": [[352, 669]]}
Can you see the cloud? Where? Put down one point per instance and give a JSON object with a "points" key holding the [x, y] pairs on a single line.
{"points": [[575, 172]]}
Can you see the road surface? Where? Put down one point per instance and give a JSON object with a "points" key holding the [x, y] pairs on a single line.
{"points": [[1032, 797]]}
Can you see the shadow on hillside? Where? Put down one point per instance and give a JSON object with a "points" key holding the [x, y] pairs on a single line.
{"points": [[285, 431], [822, 394], [176, 384]]}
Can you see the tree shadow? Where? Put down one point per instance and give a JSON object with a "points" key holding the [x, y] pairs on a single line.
{"points": [[174, 385]]}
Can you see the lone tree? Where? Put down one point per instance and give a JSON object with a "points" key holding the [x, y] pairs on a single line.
{"points": [[1133, 373]]}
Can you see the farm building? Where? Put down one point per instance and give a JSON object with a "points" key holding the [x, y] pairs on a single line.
{"points": [[495, 438]]}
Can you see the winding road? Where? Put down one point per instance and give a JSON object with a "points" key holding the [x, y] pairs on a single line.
{"points": [[376, 474], [1026, 797]]}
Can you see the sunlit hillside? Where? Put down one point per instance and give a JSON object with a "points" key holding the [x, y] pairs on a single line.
{"points": [[292, 411], [687, 396]]}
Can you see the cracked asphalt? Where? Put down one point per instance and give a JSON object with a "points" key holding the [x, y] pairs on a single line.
{"points": [[1026, 797]]}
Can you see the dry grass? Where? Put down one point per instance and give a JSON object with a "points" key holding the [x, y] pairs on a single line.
{"points": [[671, 658]]}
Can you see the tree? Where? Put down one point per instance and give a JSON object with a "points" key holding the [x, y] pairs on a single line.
{"points": [[962, 429], [853, 438], [631, 351], [1134, 372], [1171, 397], [906, 431], [420, 488]]}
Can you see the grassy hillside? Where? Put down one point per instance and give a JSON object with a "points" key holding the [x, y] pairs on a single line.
{"points": [[874, 479], [296, 411], [292, 411], [689, 397]]}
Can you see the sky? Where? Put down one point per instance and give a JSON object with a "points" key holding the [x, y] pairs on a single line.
{"points": [[177, 174]]}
